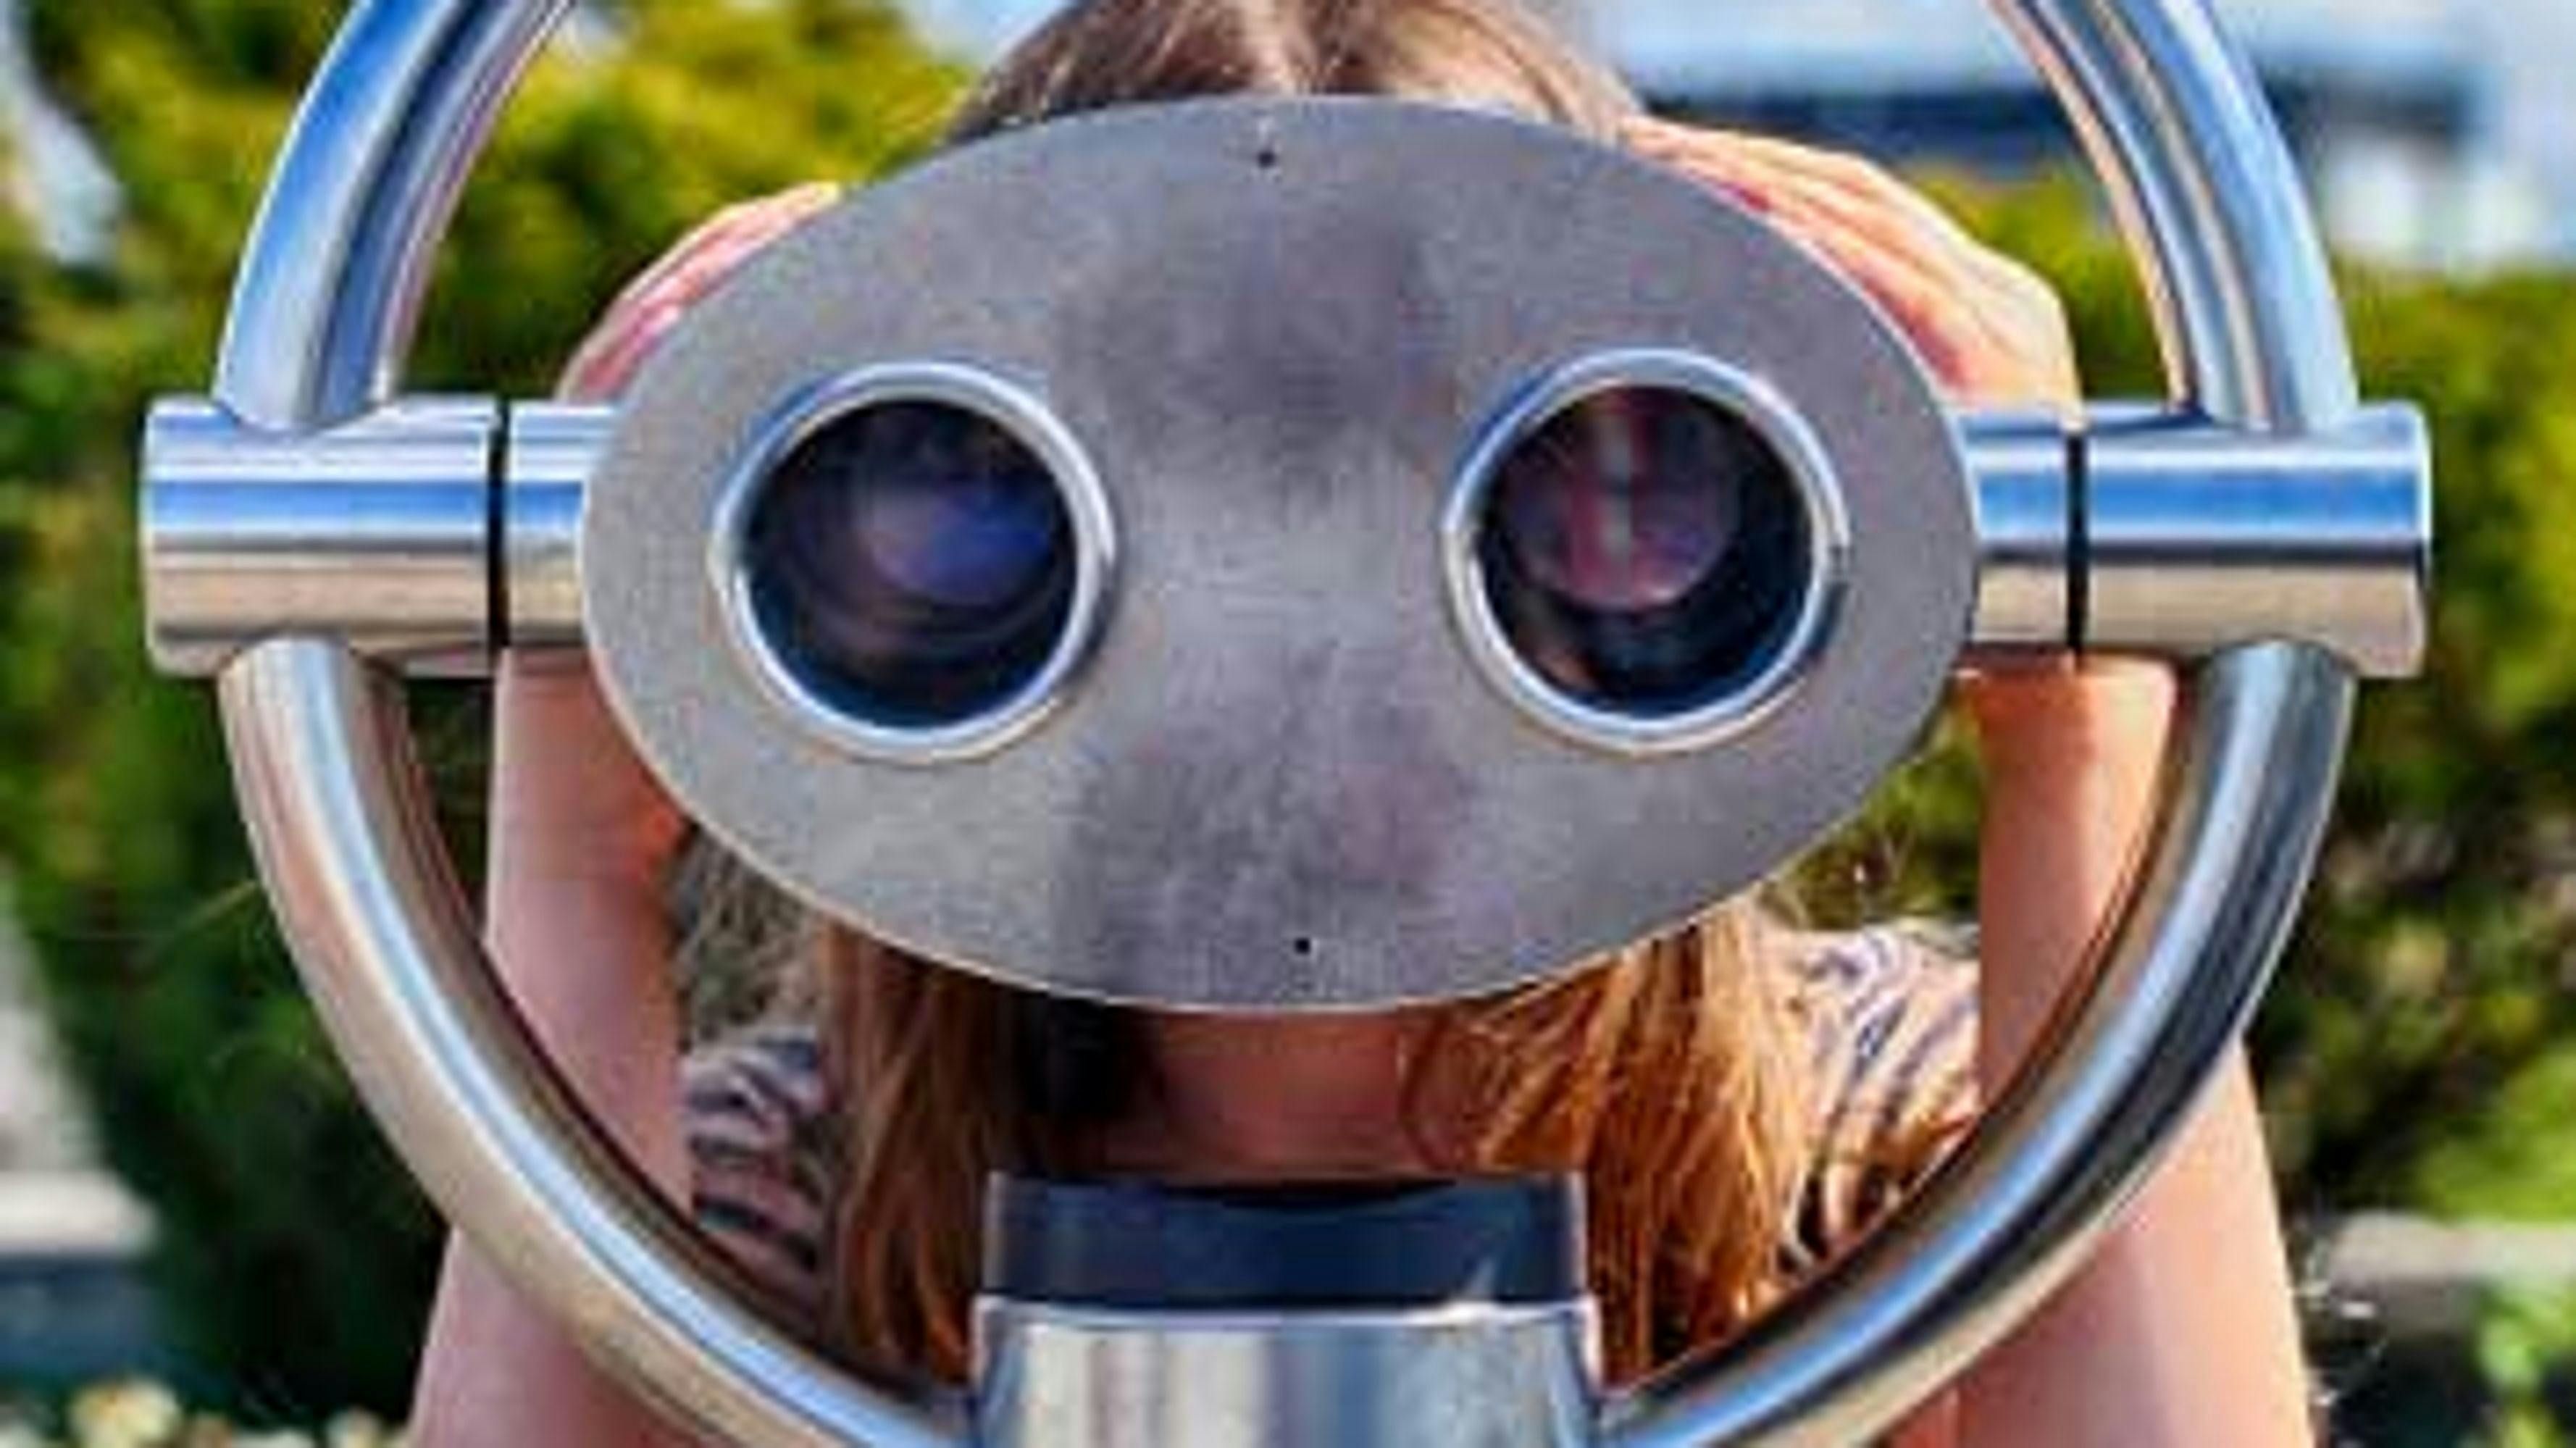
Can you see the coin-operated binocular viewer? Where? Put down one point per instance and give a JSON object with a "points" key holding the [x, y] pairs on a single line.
{"points": [[1256, 434]]}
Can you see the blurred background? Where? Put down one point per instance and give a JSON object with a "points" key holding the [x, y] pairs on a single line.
{"points": [[201, 1239]]}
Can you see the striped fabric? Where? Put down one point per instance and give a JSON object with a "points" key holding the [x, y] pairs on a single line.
{"points": [[1891, 1013], [757, 1118]]}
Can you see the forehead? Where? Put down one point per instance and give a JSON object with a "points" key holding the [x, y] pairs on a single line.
{"points": [[1276, 328]]}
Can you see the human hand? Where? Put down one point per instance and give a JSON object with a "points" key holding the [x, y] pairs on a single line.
{"points": [[573, 798], [635, 324], [1992, 332], [2073, 749]]}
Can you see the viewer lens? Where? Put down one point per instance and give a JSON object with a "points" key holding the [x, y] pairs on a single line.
{"points": [[1645, 550], [912, 563]]}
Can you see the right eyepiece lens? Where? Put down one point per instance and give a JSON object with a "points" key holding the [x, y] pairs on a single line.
{"points": [[912, 563], [1645, 550]]}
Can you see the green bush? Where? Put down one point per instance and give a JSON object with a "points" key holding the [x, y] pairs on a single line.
{"points": [[294, 1254], [2426, 1009], [2417, 1051], [2420, 1045], [2526, 1350]]}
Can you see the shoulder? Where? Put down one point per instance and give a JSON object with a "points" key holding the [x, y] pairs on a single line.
{"points": [[755, 1105], [1890, 1014]]}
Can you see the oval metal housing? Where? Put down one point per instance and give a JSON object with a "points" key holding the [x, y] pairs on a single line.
{"points": [[1280, 782]]}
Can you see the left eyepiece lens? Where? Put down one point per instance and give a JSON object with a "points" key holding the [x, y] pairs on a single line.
{"points": [[912, 563]]}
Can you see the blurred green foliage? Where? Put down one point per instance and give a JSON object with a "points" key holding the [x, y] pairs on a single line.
{"points": [[2419, 1049], [2418, 1052], [294, 1254], [2526, 1353], [2422, 1047]]}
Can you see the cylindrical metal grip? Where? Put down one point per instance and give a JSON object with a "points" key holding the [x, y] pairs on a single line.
{"points": [[2151, 531], [546, 463], [2025, 523], [2196, 538], [435, 530], [376, 532], [426, 536]]}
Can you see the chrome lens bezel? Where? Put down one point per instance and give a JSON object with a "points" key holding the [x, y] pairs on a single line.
{"points": [[1028, 419], [1644, 733]]}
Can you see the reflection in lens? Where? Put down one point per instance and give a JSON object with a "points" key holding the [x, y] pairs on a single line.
{"points": [[912, 562], [1645, 550]]}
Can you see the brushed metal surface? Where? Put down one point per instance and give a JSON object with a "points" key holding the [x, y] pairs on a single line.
{"points": [[547, 460], [373, 532], [2147, 530], [2199, 537], [2026, 595], [1486, 1375], [1280, 782]]}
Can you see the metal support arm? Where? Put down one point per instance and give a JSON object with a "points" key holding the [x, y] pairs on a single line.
{"points": [[432, 532]]}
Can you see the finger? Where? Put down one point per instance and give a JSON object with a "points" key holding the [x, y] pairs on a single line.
{"points": [[1915, 226], [648, 306], [1858, 178], [1874, 201], [1995, 285], [1756, 168], [1713, 158], [727, 236], [1989, 327], [745, 231], [722, 243], [1916, 297], [611, 356], [603, 372], [1995, 313], [1883, 232], [1980, 347], [1770, 176], [1926, 284]]}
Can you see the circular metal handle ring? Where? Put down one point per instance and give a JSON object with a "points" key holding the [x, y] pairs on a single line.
{"points": [[337, 809]]}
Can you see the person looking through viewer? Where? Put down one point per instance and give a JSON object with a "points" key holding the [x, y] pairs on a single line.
{"points": [[1741, 1098]]}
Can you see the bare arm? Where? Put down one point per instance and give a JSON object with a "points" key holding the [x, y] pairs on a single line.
{"points": [[2181, 1330], [575, 928], [580, 839]]}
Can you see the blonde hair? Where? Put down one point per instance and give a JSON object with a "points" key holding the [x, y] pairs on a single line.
{"points": [[1667, 1073]]}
